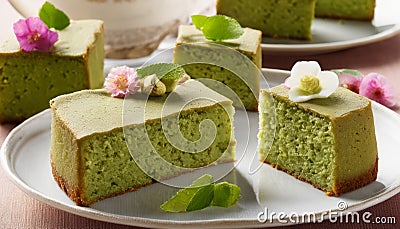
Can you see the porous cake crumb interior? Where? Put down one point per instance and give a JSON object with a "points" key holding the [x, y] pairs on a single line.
{"points": [[303, 145]]}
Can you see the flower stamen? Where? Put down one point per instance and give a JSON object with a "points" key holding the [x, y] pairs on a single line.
{"points": [[34, 37], [310, 84], [121, 82]]}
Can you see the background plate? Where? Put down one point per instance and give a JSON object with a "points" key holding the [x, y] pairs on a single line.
{"points": [[25, 158], [333, 35]]}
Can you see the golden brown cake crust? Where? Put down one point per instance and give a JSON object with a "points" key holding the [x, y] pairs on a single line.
{"points": [[341, 186], [72, 192], [75, 194]]}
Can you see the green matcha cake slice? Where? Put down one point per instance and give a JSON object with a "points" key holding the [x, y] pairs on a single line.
{"points": [[28, 80], [278, 19], [328, 142], [345, 9], [202, 58], [92, 145]]}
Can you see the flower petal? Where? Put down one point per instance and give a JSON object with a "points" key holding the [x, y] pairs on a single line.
{"points": [[36, 24], [303, 68], [350, 82], [376, 87], [329, 82], [26, 45], [20, 28], [134, 86], [46, 41], [297, 95]]}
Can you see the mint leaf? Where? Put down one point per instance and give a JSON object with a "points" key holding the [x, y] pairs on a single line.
{"points": [[53, 17], [218, 27], [162, 70], [199, 21], [348, 71], [201, 181], [221, 27], [191, 198], [225, 194], [203, 193], [201, 199]]}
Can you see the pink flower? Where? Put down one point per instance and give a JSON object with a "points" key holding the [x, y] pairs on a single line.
{"points": [[350, 82], [286, 84], [33, 34], [377, 88], [121, 81]]}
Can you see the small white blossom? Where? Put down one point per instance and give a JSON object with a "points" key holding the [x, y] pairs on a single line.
{"points": [[307, 82]]}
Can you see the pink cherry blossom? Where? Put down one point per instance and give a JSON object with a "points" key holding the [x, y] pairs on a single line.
{"points": [[350, 82], [377, 88], [32, 34], [121, 81]]}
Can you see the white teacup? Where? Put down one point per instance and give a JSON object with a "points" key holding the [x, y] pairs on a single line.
{"points": [[133, 28]]}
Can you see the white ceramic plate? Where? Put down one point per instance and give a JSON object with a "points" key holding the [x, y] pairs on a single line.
{"points": [[332, 35], [25, 159], [329, 35]]}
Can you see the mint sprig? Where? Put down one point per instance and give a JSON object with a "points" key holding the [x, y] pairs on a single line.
{"points": [[203, 193], [168, 73], [352, 72], [53, 17], [199, 21], [162, 71], [218, 27], [225, 194]]}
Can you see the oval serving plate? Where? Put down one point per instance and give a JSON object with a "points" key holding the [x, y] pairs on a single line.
{"points": [[25, 159]]}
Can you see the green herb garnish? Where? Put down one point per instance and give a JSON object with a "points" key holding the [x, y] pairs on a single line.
{"points": [[162, 71], [199, 21], [203, 193], [348, 71], [168, 73], [53, 17], [218, 27], [226, 194]]}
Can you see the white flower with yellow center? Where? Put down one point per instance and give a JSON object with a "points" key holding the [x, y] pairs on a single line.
{"points": [[307, 81]]}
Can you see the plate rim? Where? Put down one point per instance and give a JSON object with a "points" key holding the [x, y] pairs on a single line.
{"points": [[331, 46], [6, 162]]}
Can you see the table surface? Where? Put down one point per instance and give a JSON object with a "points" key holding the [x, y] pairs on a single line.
{"points": [[17, 210]]}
